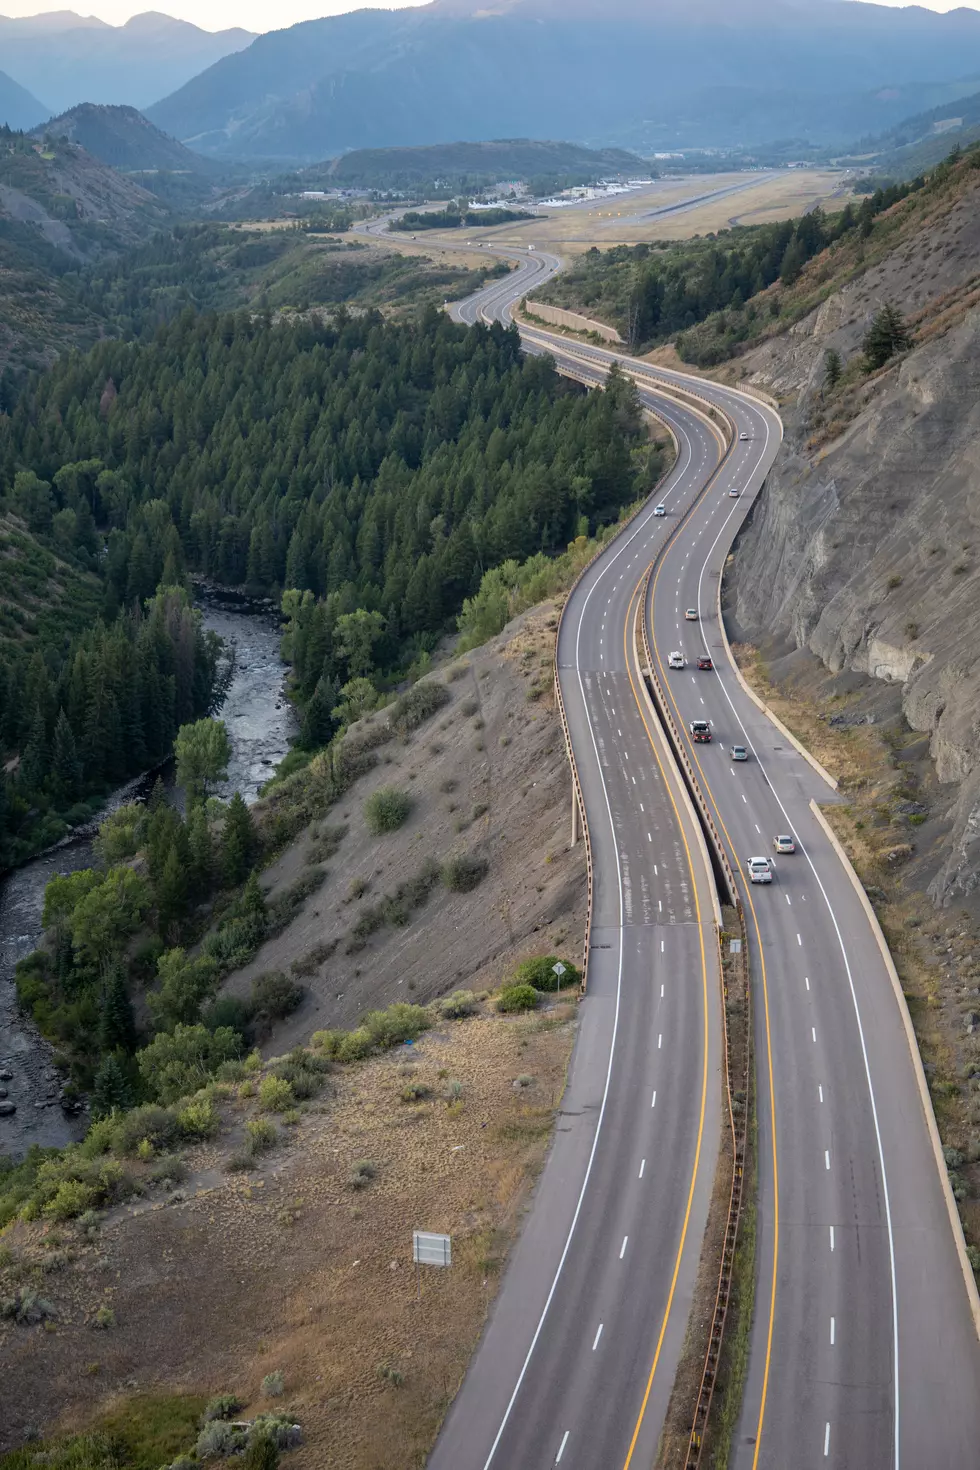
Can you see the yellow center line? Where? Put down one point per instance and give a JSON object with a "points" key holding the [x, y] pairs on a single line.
{"points": [[665, 683], [630, 617]]}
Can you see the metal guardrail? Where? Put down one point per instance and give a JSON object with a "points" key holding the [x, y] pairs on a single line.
{"points": [[738, 1114], [738, 1117], [683, 760]]}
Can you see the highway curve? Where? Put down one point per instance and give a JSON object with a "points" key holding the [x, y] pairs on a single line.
{"points": [[864, 1352], [579, 1356]]}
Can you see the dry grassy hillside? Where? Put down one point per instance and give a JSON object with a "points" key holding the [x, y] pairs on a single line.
{"points": [[280, 1241]]}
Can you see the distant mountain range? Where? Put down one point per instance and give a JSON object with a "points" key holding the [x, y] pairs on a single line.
{"points": [[18, 109], [639, 74], [66, 58]]}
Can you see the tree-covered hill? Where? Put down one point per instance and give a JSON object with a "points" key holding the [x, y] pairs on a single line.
{"points": [[376, 470]]}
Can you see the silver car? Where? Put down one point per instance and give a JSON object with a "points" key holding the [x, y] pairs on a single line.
{"points": [[759, 870]]}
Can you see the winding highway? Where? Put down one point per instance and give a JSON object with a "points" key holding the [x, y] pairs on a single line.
{"points": [[863, 1352]]}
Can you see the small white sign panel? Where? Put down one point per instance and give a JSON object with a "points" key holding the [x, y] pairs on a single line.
{"points": [[431, 1250]]}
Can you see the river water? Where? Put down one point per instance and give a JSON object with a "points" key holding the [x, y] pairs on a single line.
{"points": [[260, 724]]}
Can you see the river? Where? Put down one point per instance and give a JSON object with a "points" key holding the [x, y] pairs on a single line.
{"points": [[260, 724]]}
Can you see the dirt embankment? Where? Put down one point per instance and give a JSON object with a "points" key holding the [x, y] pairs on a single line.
{"points": [[487, 777], [302, 1264]]}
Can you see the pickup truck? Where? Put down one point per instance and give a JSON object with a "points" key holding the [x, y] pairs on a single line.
{"points": [[701, 732]]}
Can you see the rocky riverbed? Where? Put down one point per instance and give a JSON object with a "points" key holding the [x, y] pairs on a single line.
{"points": [[260, 724]]}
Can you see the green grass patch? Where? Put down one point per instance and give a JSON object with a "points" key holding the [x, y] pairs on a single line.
{"points": [[142, 1433]]}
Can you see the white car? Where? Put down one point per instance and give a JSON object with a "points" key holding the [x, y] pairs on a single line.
{"points": [[675, 660], [691, 614], [743, 435], [734, 492], [660, 510], [759, 870]]}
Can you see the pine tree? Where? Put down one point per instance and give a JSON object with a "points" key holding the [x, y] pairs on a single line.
{"points": [[252, 903], [238, 846], [111, 1090], [318, 721], [34, 765], [117, 1028], [833, 367], [887, 335], [172, 894], [201, 851], [65, 765]]}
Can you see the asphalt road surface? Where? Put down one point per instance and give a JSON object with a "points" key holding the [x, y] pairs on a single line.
{"points": [[863, 1351]]}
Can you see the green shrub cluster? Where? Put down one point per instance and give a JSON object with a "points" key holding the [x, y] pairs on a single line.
{"points": [[386, 810], [517, 998], [417, 705], [540, 972], [378, 1031]]}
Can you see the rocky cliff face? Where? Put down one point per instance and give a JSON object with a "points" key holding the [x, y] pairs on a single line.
{"points": [[865, 546]]}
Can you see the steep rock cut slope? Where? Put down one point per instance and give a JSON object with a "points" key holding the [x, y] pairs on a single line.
{"points": [[865, 547]]}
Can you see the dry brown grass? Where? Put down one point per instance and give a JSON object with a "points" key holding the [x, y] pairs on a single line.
{"points": [[290, 1269]]}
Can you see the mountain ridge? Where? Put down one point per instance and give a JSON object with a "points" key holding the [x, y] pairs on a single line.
{"points": [[70, 59], [654, 77], [19, 108]]}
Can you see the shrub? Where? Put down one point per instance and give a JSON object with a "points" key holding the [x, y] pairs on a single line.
{"points": [[273, 1385], [400, 1022], [72, 1198], [539, 972], [223, 1406], [198, 1118], [460, 1003], [457, 672], [416, 1092], [517, 998], [104, 1318], [470, 707], [156, 1124], [218, 1440], [362, 1173], [463, 873], [386, 810], [260, 1136], [274, 996], [417, 705], [276, 1094], [309, 963], [26, 1307], [303, 1072], [228, 1010], [355, 1045]]}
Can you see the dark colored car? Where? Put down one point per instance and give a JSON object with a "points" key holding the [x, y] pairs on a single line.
{"points": [[701, 731], [704, 661]]}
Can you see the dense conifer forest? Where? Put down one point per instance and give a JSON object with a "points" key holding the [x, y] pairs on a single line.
{"points": [[374, 472]]}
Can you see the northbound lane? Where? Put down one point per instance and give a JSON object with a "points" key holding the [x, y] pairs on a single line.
{"points": [[864, 1351]]}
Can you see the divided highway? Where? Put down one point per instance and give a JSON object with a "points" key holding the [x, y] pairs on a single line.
{"points": [[578, 1359], [864, 1352]]}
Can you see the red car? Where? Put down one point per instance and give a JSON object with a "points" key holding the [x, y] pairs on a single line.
{"points": [[704, 661]]}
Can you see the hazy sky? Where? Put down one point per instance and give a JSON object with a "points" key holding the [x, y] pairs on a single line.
{"points": [[261, 15]]}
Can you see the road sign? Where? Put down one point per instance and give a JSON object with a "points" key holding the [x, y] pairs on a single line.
{"points": [[558, 970], [431, 1250], [734, 946]]}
